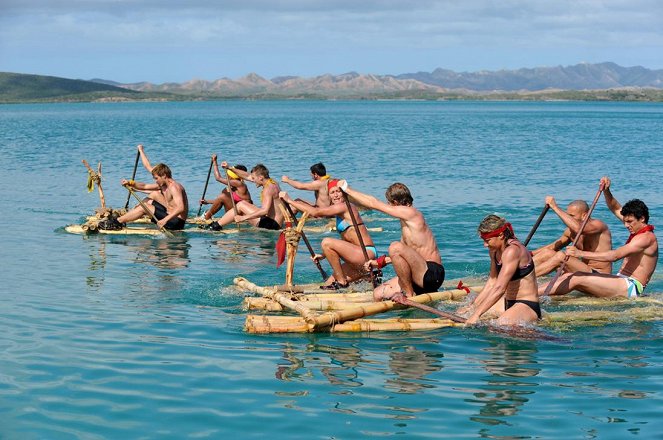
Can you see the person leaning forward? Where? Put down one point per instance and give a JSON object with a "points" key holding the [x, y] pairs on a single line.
{"points": [[595, 237], [166, 200], [511, 276], [639, 254], [416, 257], [266, 216]]}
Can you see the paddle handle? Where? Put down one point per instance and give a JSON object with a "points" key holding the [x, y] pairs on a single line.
{"points": [[560, 269], [374, 275], [209, 172], [308, 243], [133, 177], [544, 211]]}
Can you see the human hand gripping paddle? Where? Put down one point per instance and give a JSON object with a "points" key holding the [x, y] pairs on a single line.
{"points": [[133, 177], [575, 241], [209, 172], [374, 274], [308, 244], [165, 231]]}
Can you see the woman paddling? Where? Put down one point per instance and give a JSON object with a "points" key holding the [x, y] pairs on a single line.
{"points": [[348, 247], [511, 276]]}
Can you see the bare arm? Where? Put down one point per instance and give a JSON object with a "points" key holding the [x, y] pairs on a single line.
{"points": [[327, 211], [140, 186], [306, 186], [491, 294], [637, 245], [557, 244], [144, 159], [400, 212], [241, 173], [217, 175], [610, 201]]}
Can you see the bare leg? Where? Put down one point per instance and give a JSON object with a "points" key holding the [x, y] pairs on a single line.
{"points": [[517, 314], [410, 267], [136, 212], [222, 201], [595, 284], [547, 260]]}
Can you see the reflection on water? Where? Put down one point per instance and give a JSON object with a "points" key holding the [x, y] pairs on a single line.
{"points": [[505, 391], [410, 367], [171, 253]]}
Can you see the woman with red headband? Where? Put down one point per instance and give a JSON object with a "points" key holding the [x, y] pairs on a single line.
{"points": [[348, 248], [511, 276]]}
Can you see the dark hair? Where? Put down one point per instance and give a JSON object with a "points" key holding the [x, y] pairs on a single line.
{"points": [[162, 170], [261, 170], [637, 209], [399, 194], [241, 167], [319, 169]]}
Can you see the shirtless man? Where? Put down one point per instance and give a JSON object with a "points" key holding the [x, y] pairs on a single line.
{"points": [[318, 185], [239, 190], [640, 255], [595, 237], [416, 258], [268, 215], [167, 199]]}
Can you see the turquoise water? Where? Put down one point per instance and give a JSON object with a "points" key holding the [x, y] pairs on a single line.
{"points": [[108, 337]]}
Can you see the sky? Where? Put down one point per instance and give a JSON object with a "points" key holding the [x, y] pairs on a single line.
{"points": [[176, 41]]}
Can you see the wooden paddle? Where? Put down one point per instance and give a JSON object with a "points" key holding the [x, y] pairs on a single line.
{"points": [[308, 243], [133, 177], [544, 211], [402, 299], [165, 231], [374, 275], [209, 172], [230, 193], [560, 269]]}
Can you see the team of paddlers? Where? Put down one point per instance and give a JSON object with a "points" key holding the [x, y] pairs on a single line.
{"points": [[511, 291]]}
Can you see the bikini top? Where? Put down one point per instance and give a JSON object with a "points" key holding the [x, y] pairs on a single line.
{"points": [[342, 225], [522, 271]]}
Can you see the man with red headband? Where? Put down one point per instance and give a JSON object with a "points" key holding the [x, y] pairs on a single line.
{"points": [[318, 185], [416, 257], [511, 276], [640, 255], [595, 237]]}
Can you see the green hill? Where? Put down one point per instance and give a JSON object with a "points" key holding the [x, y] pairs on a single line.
{"points": [[18, 87]]}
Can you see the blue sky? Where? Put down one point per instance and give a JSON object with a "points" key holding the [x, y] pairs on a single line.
{"points": [[175, 41]]}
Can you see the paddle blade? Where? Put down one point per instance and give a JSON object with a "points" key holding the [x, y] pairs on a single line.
{"points": [[280, 249]]}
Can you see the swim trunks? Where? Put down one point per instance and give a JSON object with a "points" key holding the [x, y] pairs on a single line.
{"points": [[268, 223], [433, 279], [634, 288], [534, 305], [160, 212]]}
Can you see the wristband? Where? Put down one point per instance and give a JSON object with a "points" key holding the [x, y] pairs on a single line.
{"points": [[381, 261]]}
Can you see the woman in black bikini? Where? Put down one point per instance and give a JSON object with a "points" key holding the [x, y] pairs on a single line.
{"points": [[511, 276]]}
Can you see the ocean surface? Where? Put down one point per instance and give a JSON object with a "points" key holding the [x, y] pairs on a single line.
{"points": [[137, 337]]}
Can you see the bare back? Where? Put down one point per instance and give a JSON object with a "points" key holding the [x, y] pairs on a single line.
{"points": [[417, 235], [596, 238]]}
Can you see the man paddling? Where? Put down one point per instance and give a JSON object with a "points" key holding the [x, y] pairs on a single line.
{"points": [[595, 237], [416, 257], [166, 200], [318, 185], [640, 255], [266, 216], [238, 190]]}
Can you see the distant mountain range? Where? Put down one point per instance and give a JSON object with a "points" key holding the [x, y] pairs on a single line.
{"points": [[578, 77], [604, 81]]}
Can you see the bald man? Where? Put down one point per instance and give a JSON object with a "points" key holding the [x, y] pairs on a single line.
{"points": [[595, 237]]}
